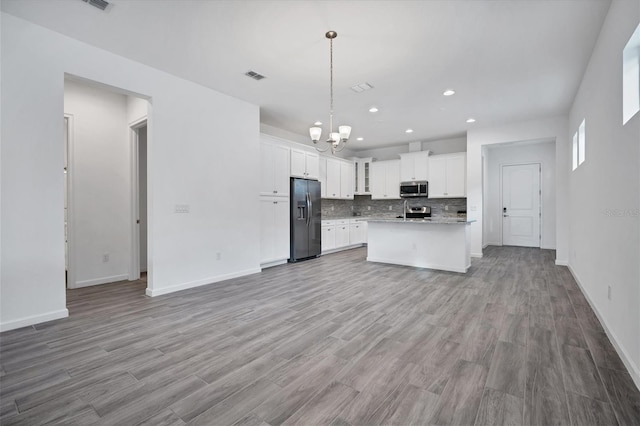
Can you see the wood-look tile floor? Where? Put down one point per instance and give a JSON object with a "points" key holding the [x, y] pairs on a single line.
{"points": [[335, 340]]}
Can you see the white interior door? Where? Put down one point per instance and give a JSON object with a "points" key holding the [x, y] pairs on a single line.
{"points": [[521, 205]]}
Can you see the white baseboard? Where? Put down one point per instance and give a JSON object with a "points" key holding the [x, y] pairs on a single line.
{"points": [[102, 280], [477, 255], [273, 263], [335, 250], [633, 369], [35, 319], [197, 283], [562, 262]]}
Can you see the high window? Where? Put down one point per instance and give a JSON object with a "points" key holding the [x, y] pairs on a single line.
{"points": [[631, 77], [579, 145]]}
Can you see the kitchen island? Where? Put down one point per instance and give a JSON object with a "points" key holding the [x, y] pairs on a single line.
{"points": [[425, 243]]}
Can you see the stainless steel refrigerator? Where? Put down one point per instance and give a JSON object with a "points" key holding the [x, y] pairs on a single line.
{"points": [[306, 231]]}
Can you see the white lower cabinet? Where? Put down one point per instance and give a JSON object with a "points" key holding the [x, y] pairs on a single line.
{"points": [[343, 233], [274, 229], [328, 237], [358, 233]]}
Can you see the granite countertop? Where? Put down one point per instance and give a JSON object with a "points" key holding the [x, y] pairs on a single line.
{"points": [[434, 220]]}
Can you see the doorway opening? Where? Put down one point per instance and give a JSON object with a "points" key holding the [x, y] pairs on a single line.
{"points": [[139, 231], [521, 205], [101, 173], [68, 120]]}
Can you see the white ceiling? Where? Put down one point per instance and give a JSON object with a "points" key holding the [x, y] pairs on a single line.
{"points": [[508, 60]]}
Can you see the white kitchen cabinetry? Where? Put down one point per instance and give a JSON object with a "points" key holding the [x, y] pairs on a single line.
{"points": [[305, 164], [336, 177], [274, 165], [448, 175], [414, 166], [385, 180], [342, 233], [346, 180], [328, 235], [333, 178], [357, 232], [362, 175], [274, 229]]}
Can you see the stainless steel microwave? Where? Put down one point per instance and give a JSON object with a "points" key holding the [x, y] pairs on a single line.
{"points": [[414, 189]]}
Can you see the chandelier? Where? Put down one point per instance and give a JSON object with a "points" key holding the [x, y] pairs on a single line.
{"points": [[337, 140]]}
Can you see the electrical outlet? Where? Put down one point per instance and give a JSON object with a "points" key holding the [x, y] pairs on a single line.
{"points": [[332, 208], [105, 257], [609, 292], [446, 207], [218, 256], [368, 207], [390, 207]]}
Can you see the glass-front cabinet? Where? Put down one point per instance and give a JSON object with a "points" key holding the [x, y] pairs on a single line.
{"points": [[362, 180]]}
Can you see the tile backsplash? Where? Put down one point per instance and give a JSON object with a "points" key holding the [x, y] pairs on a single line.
{"points": [[363, 205]]}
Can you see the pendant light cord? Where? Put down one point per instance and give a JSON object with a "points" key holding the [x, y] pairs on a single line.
{"points": [[331, 87]]}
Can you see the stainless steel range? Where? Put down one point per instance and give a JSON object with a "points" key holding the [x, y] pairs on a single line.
{"points": [[418, 212]]}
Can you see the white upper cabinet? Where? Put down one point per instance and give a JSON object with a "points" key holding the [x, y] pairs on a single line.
{"points": [[346, 180], [305, 164], [336, 177], [414, 166], [362, 175], [333, 178], [385, 180], [448, 175], [322, 177], [274, 165]]}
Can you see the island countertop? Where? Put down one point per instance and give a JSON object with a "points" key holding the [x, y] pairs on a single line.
{"points": [[433, 221]]}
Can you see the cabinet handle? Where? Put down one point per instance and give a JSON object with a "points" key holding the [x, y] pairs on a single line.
{"points": [[275, 202]]}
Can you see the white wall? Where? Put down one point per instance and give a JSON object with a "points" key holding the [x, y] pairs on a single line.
{"points": [[99, 169], [202, 146], [544, 129], [499, 155], [605, 190], [137, 109]]}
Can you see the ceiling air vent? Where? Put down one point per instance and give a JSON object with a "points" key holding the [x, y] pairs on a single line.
{"points": [[100, 4], [359, 88], [254, 75]]}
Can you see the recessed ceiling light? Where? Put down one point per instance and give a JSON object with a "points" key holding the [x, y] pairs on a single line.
{"points": [[318, 123], [373, 109], [409, 131], [449, 92], [359, 139], [471, 120]]}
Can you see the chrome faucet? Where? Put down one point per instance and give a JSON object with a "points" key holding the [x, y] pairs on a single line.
{"points": [[405, 207]]}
